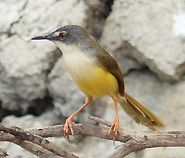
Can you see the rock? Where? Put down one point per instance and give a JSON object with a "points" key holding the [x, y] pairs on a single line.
{"points": [[33, 121], [25, 64], [24, 68], [137, 34], [98, 10], [10, 14], [126, 63], [49, 16], [54, 14], [152, 33]]}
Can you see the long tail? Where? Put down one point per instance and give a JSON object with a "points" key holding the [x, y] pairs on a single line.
{"points": [[139, 113]]}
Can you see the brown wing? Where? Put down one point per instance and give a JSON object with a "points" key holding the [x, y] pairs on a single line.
{"points": [[108, 63]]}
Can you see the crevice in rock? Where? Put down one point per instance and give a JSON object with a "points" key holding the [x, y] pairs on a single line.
{"points": [[3, 112], [97, 13], [141, 70], [40, 106], [144, 68], [9, 33], [180, 73], [24, 6], [36, 108]]}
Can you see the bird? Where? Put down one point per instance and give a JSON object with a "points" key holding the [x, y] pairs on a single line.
{"points": [[97, 74]]}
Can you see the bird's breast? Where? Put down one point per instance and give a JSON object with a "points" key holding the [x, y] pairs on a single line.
{"points": [[91, 78]]}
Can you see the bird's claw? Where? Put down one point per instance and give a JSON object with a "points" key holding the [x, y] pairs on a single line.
{"points": [[68, 126], [114, 127]]}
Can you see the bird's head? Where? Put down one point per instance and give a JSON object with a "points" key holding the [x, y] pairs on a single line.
{"points": [[70, 35]]}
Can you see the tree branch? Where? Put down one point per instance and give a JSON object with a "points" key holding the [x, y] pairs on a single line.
{"points": [[133, 140], [20, 137], [31, 147]]}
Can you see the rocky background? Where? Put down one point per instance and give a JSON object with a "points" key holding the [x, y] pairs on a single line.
{"points": [[146, 37]]}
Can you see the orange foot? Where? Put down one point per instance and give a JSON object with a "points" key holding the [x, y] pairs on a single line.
{"points": [[67, 127], [114, 127]]}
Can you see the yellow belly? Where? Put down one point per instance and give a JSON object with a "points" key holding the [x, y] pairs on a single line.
{"points": [[92, 79], [97, 83]]}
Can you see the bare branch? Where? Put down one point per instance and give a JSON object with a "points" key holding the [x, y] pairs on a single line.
{"points": [[35, 149], [22, 136], [31, 147], [133, 140]]}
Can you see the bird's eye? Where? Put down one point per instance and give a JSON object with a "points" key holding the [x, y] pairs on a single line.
{"points": [[62, 35]]}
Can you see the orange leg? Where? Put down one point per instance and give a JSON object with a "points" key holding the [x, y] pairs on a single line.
{"points": [[115, 124], [69, 123]]}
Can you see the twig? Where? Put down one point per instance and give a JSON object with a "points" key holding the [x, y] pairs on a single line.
{"points": [[99, 120], [22, 135], [3, 153], [35, 149], [32, 148]]}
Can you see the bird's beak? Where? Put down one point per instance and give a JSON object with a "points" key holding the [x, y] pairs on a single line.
{"points": [[41, 37]]}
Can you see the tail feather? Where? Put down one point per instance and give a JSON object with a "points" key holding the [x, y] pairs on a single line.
{"points": [[140, 113]]}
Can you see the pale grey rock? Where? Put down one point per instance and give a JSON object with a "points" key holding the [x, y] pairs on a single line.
{"points": [[153, 31], [10, 13], [25, 64], [48, 118], [41, 17], [140, 29], [15, 151], [97, 12], [126, 63], [24, 69]]}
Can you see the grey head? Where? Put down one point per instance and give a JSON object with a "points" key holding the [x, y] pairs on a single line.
{"points": [[70, 35]]}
